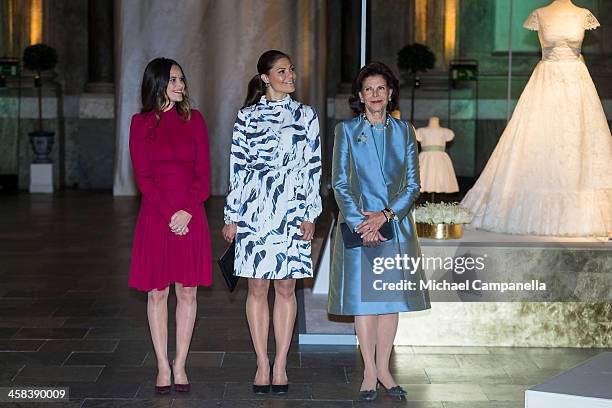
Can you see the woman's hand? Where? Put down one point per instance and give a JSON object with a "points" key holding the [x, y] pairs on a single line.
{"points": [[308, 229], [373, 239], [185, 231], [229, 232], [179, 221], [372, 224], [370, 239]]}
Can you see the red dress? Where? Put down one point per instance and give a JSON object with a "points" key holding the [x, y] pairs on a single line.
{"points": [[172, 169]]}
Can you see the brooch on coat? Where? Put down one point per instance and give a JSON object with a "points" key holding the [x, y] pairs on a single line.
{"points": [[362, 138]]}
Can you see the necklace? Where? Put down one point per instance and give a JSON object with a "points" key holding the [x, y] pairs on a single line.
{"points": [[375, 125]]}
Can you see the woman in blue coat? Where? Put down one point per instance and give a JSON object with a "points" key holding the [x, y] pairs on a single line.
{"points": [[375, 177]]}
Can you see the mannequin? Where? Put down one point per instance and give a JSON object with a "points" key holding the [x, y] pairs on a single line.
{"points": [[434, 122], [551, 173], [562, 5], [436, 167]]}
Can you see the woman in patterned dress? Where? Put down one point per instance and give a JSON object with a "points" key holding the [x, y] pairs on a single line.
{"points": [[272, 204]]}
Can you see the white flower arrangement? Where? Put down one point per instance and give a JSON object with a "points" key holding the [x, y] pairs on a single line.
{"points": [[442, 213]]}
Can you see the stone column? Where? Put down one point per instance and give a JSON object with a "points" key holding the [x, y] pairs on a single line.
{"points": [[100, 47], [351, 39]]}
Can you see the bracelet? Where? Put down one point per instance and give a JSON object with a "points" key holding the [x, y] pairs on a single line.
{"points": [[392, 215], [385, 214]]}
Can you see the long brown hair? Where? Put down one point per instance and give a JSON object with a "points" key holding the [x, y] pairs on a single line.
{"points": [[257, 88], [153, 90]]}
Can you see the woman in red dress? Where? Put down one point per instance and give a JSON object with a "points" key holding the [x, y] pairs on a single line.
{"points": [[170, 157]]}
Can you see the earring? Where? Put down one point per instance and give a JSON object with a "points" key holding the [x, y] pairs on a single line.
{"points": [[361, 100], [389, 98]]}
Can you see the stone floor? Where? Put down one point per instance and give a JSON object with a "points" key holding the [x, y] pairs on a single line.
{"points": [[67, 318]]}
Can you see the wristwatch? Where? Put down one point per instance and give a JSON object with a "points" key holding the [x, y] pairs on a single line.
{"points": [[389, 214]]}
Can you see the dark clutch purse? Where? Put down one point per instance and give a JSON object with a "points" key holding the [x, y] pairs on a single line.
{"points": [[226, 264], [353, 240]]}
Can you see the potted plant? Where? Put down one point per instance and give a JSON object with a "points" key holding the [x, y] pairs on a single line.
{"points": [[38, 58], [411, 60], [441, 220]]}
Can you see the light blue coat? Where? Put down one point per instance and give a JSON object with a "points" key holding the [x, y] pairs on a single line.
{"points": [[361, 182]]}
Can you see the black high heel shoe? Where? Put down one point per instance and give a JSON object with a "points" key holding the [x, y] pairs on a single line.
{"points": [[397, 391], [368, 395], [280, 388], [262, 389], [277, 388]]}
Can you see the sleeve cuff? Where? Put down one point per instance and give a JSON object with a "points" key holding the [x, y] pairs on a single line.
{"points": [[229, 218], [193, 208], [399, 215], [167, 212], [312, 213], [308, 218]]}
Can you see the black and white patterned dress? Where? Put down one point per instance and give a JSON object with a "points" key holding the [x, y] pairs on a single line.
{"points": [[275, 168]]}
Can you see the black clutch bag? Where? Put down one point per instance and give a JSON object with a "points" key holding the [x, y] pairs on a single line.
{"points": [[353, 240], [226, 264]]}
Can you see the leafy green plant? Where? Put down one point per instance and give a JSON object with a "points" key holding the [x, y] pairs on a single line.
{"points": [[39, 57], [412, 59], [415, 58]]}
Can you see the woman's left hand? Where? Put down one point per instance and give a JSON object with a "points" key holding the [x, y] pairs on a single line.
{"points": [[373, 223], [308, 229]]}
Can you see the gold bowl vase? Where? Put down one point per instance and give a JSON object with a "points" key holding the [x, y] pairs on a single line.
{"points": [[439, 231]]}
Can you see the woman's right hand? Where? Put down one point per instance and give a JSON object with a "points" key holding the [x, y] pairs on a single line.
{"points": [[182, 232], [229, 232], [372, 239]]}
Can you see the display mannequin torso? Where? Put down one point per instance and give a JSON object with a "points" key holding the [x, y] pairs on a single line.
{"points": [[434, 122], [435, 165], [433, 134], [560, 27]]}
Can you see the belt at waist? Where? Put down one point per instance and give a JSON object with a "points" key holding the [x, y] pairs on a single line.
{"points": [[561, 54], [433, 148]]}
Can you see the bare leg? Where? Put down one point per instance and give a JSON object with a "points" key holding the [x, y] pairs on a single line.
{"points": [[258, 316], [285, 309], [186, 308], [365, 326], [157, 312], [387, 328]]}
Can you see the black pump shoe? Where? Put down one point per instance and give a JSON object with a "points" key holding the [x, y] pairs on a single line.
{"points": [[277, 388], [396, 391], [280, 389], [261, 389], [368, 395]]}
